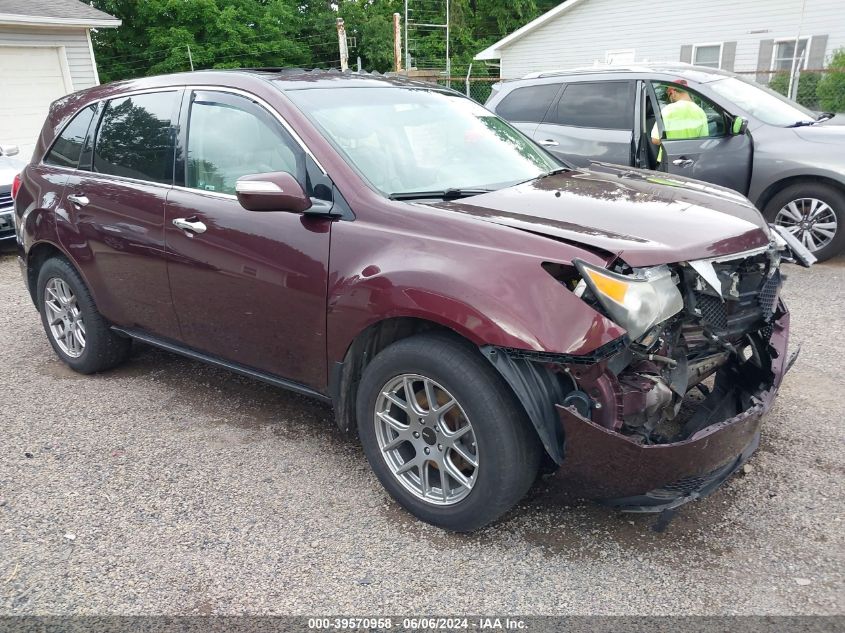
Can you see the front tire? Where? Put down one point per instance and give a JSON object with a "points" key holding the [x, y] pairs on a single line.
{"points": [[814, 213], [461, 463], [77, 331]]}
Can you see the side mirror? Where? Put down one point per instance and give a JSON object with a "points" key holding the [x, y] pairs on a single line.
{"points": [[739, 126], [273, 191], [9, 150]]}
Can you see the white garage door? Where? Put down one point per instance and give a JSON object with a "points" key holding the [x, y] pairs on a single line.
{"points": [[31, 77]]}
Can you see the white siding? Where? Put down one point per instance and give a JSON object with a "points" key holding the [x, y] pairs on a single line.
{"points": [[75, 41], [656, 30]]}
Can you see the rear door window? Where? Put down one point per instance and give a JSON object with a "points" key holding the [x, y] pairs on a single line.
{"points": [[607, 105], [527, 104], [68, 147], [135, 137]]}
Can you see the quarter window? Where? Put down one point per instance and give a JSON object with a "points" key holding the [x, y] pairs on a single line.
{"points": [[226, 142], [607, 105], [68, 147], [135, 137], [527, 104]]}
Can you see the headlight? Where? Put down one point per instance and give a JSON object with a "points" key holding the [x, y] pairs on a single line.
{"points": [[636, 302]]}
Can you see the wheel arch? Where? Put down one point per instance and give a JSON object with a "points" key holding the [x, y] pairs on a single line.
{"points": [[533, 388], [776, 187], [344, 375], [36, 256]]}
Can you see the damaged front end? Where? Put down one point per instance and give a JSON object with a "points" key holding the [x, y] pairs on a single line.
{"points": [[666, 414]]}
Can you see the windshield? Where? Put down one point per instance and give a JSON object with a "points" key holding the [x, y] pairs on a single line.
{"points": [[762, 103], [405, 140]]}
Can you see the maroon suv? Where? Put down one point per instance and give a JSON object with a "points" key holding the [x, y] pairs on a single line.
{"points": [[475, 309]]}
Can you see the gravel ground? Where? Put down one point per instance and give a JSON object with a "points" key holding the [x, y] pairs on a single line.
{"points": [[170, 487]]}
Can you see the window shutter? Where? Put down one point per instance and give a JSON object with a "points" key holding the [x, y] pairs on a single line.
{"points": [[818, 46], [728, 55], [686, 53], [764, 60]]}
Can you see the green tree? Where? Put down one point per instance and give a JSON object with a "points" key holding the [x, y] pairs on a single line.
{"points": [[808, 83], [831, 90], [155, 34]]}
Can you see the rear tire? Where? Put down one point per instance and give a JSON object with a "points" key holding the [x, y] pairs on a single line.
{"points": [[811, 210], [78, 333], [501, 448]]}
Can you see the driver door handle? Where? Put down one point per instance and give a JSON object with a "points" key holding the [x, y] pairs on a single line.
{"points": [[186, 225], [549, 143], [78, 199], [683, 162]]}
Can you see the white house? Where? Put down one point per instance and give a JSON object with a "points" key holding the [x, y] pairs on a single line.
{"points": [[744, 36], [45, 53]]}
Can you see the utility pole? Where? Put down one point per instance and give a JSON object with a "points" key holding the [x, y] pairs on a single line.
{"points": [[407, 54], [397, 44], [190, 59], [792, 90], [341, 44], [448, 61]]}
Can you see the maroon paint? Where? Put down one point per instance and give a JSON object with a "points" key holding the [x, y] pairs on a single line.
{"points": [[645, 218], [252, 288], [117, 243]]}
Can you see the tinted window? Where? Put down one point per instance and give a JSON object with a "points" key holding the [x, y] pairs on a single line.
{"points": [[226, 142], [527, 104], [134, 137], [68, 146], [607, 105]]}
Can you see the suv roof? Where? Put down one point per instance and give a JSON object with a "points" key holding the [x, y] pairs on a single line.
{"points": [[701, 74]]}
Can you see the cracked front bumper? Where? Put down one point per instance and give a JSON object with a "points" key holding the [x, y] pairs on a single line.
{"points": [[619, 471]]}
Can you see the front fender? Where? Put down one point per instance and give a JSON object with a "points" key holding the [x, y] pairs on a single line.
{"points": [[488, 295]]}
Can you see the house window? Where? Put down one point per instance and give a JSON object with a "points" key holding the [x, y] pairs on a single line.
{"points": [[785, 52], [709, 55]]}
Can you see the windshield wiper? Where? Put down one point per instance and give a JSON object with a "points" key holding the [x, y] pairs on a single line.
{"points": [[824, 116], [443, 194], [556, 170]]}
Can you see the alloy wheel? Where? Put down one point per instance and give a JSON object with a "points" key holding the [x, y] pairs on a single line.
{"points": [[64, 317], [811, 220], [426, 439]]}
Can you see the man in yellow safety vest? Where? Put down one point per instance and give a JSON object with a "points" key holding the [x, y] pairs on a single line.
{"points": [[682, 118]]}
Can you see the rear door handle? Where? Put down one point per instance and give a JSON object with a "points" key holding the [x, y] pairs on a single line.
{"points": [[683, 162], [548, 143], [78, 199], [186, 225]]}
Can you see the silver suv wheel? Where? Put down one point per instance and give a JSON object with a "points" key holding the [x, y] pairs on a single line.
{"points": [[64, 317], [426, 439], [811, 220]]}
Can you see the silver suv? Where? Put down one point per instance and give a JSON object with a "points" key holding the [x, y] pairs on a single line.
{"points": [[788, 160]]}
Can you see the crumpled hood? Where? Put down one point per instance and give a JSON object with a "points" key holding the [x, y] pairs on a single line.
{"points": [[645, 217]]}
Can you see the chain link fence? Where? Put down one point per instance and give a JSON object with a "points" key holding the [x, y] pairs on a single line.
{"points": [[822, 90]]}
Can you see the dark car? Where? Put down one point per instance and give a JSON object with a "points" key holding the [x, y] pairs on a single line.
{"points": [[788, 160], [472, 308]]}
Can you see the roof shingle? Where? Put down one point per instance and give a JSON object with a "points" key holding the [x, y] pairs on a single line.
{"points": [[62, 10]]}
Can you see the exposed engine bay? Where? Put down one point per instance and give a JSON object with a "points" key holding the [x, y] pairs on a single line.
{"points": [[704, 364]]}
